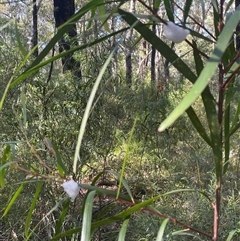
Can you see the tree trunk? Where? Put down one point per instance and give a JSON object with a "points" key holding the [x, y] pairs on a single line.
{"points": [[128, 58], [153, 54], [34, 41], [166, 62], [237, 3], [64, 10]]}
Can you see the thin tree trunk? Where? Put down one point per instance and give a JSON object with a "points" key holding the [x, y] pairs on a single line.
{"points": [[166, 62], [153, 55], [166, 70], [128, 58], [129, 69], [64, 10], [114, 44], [153, 59], [237, 3], [158, 58], [34, 41]]}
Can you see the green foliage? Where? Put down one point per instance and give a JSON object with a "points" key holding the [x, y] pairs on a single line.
{"points": [[136, 183]]}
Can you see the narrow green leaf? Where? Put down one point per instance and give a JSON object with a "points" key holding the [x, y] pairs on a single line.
{"points": [[231, 234], [161, 230], [88, 109], [5, 92], [212, 119], [4, 163], [205, 95], [87, 217], [180, 232], [13, 199], [95, 179], [200, 36], [216, 17], [168, 8], [156, 4], [187, 7], [126, 157], [234, 129], [103, 191], [197, 59], [229, 95], [62, 217], [24, 107], [229, 5], [124, 182], [93, 12], [229, 55], [123, 230], [33, 205], [44, 217], [68, 233], [198, 125], [105, 210], [20, 45], [227, 140], [185, 232], [215, 5], [103, 16], [236, 117], [53, 149], [206, 74]]}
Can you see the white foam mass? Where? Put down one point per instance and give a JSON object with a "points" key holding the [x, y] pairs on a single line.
{"points": [[71, 188], [175, 33]]}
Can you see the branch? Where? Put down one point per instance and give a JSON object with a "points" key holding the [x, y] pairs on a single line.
{"points": [[152, 11]]}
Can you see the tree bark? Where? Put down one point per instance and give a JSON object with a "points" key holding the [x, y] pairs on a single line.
{"points": [[34, 40], [237, 3], [153, 54], [64, 10], [128, 58]]}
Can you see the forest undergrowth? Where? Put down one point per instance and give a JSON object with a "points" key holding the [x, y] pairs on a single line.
{"points": [[157, 163]]}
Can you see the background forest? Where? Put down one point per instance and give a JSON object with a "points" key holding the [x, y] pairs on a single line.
{"points": [[94, 91]]}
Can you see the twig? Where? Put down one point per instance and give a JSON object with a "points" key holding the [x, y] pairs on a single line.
{"points": [[227, 68], [152, 11], [230, 78], [110, 194], [33, 174], [196, 22], [203, 54], [175, 221], [38, 157], [216, 208]]}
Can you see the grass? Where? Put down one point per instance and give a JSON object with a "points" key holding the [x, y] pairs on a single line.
{"points": [[157, 163]]}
